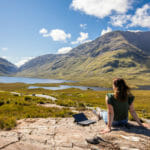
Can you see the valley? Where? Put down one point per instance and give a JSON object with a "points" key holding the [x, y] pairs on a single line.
{"points": [[116, 54]]}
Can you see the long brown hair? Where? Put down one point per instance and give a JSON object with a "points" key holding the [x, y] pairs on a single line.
{"points": [[121, 89]]}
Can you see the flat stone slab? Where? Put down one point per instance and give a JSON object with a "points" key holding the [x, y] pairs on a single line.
{"points": [[64, 134]]}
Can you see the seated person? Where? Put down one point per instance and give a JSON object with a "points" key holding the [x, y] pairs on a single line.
{"points": [[118, 104]]}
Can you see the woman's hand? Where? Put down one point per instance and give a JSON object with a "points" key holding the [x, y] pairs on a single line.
{"points": [[146, 125], [106, 130]]}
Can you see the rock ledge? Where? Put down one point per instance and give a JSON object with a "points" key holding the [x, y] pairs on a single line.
{"points": [[64, 134]]}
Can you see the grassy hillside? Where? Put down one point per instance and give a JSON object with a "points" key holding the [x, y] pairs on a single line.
{"points": [[116, 54]]}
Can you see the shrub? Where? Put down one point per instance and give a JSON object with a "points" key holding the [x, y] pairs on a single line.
{"points": [[7, 123], [27, 98], [80, 104], [8, 102], [1, 103], [67, 103], [41, 102]]}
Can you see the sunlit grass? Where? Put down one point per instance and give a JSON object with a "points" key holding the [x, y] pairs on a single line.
{"points": [[14, 107]]}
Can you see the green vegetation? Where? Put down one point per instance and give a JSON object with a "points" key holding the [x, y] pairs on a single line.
{"points": [[14, 107]]}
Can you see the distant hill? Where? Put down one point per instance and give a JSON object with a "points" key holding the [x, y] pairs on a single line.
{"points": [[115, 54], [7, 68]]}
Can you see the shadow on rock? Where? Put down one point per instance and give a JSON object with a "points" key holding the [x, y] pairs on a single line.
{"points": [[131, 128]]}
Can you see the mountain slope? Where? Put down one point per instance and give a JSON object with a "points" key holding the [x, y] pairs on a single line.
{"points": [[7, 68], [119, 53]]}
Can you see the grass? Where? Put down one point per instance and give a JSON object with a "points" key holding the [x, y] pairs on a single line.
{"points": [[14, 107]]}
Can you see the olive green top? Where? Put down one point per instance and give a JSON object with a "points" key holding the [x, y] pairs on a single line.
{"points": [[120, 108]]}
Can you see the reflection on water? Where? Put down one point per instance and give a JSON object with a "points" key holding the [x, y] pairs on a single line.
{"points": [[4, 79], [61, 87]]}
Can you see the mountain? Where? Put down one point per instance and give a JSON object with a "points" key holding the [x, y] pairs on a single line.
{"points": [[7, 68], [115, 54]]}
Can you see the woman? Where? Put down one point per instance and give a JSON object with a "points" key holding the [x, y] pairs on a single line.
{"points": [[118, 104]]}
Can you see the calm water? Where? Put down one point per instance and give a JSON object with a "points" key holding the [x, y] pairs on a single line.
{"points": [[61, 87], [4, 79]]}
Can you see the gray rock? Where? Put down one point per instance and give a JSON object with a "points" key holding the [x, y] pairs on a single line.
{"points": [[64, 134]]}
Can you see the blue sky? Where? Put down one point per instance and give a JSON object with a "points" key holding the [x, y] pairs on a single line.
{"points": [[29, 28]]}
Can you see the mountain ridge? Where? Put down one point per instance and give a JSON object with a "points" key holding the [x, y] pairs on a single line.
{"points": [[6, 67], [115, 54]]}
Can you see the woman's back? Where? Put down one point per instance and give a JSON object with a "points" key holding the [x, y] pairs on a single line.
{"points": [[120, 107]]}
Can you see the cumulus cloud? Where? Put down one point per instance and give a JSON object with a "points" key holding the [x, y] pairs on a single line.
{"points": [[4, 48], [43, 31], [106, 31], [120, 20], [101, 8], [64, 50], [56, 34], [59, 35], [83, 26], [141, 17], [23, 61], [81, 39]]}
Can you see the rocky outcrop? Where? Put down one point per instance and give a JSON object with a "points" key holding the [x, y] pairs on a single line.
{"points": [[64, 134]]}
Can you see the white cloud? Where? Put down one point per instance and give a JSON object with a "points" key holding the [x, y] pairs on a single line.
{"points": [[81, 39], [135, 31], [83, 26], [120, 20], [141, 17], [43, 31], [4, 49], [106, 31], [23, 61], [101, 8], [58, 35], [64, 50]]}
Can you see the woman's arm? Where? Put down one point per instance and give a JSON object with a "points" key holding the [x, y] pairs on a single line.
{"points": [[110, 112], [134, 115], [110, 118]]}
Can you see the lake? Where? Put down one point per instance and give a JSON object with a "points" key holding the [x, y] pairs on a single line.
{"points": [[62, 87], [4, 79]]}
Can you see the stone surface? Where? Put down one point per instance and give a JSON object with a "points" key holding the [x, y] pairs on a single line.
{"points": [[46, 96], [64, 134]]}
